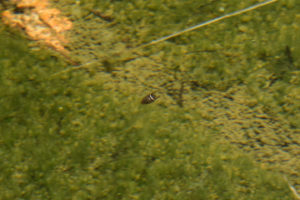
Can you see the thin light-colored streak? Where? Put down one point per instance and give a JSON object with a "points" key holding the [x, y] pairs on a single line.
{"points": [[294, 191], [210, 22]]}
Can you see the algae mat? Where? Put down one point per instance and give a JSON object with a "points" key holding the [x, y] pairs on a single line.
{"points": [[229, 76]]}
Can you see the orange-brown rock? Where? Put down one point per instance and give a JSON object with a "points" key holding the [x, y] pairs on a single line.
{"points": [[40, 22]]}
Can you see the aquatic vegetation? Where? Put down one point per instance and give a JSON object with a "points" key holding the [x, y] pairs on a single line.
{"points": [[225, 90], [235, 59], [69, 136]]}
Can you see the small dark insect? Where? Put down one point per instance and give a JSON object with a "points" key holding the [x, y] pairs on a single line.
{"points": [[150, 98]]}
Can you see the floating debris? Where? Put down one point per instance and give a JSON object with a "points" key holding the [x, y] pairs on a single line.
{"points": [[235, 13]]}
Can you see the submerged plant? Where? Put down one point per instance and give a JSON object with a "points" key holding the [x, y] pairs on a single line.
{"points": [[83, 134]]}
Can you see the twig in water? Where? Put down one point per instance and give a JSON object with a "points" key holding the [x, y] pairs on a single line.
{"points": [[85, 65], [253, 7], [292, 189]]}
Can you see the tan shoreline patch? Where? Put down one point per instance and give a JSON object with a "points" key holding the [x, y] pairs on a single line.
{"points": [[40, 22]]}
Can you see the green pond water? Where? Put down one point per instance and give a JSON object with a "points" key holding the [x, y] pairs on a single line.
{"points": [[225, 125]]}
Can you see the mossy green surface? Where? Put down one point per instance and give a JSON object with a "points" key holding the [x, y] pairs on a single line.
{"points": [[231, 72], [224, 90]]}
